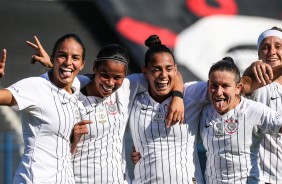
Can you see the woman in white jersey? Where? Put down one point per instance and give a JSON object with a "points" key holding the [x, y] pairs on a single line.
{"points": [[269, 48], [107, 98], [168, 155], [49, 108], [232, 128]]}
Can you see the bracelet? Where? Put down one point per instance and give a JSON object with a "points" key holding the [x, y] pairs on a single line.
{"points": [[177, 93]]}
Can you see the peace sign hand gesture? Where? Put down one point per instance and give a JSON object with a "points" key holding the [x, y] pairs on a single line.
{"points": [[41, 56]]}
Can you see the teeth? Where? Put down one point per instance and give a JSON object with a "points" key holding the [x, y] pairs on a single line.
{"points": [[66, 69], [162, 84], [107, 88]]}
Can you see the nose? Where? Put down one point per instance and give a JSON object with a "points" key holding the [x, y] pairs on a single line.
{"points": [[219, 91], [111, 82], [272, 50], [68, 61], [164, 73]]}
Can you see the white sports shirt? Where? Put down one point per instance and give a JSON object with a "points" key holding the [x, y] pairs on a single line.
{"points": [[232, 140], [169, 155], [48, 115], [271, 147], [99, 157]]}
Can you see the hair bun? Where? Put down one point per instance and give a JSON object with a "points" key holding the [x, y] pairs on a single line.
{"points": [[228, 58], [153, 40]]}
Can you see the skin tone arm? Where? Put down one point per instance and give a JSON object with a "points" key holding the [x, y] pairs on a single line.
{"points": [[176, 108], [259, 74], [6, 97]]}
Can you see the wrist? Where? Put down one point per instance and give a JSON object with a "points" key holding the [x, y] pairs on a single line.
{"points": [[177, 93]]}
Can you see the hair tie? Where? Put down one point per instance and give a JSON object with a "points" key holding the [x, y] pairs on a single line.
{"points": [[116, 58]]}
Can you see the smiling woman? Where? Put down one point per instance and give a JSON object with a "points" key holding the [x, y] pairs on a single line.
{"points": [[232, 127], [49, 108]]}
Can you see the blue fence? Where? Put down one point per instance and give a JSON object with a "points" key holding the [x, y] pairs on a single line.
{"points": [[9, 156]]}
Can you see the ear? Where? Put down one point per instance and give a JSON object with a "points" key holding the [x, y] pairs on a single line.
{"points": [[239, 88], [144, 71], [82, 65]]}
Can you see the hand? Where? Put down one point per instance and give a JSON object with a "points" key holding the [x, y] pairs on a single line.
{"points": [[78, 130], [2, 63], [41, 55], [175, 112], [262, 72], [135, 156]]}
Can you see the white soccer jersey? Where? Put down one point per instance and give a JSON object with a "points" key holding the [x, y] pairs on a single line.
{"points": [[99, 155], [232, 140], [271, 147], [169, 155], [48, 115]]}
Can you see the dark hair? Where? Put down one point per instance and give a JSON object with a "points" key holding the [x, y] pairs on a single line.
{"points": [[226, 64], [112, 52], [276, 28], [67, 36], [155, 46]]}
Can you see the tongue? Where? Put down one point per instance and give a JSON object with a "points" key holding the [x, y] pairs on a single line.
{"points": [[66, 74], [219, 104]]}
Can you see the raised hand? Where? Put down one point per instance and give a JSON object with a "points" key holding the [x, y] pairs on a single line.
{"points": [[41, 55], [2, 63]]}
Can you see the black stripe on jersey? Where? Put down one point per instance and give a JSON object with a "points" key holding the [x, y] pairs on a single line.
{"points": [[151, 119], [245, 148], [136, 124], [225, 153], [67, 121], [238, 149]]}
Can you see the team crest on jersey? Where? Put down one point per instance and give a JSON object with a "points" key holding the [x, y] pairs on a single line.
{"points": [[112, 107], [231, 125]]}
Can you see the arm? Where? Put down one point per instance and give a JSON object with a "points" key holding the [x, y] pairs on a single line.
{"points": [[176, 108], [41, 56], [259, 74], [78, 130], [2, 63], [6, 97]]}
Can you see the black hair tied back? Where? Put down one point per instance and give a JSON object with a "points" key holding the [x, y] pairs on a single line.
{"points": [[153, 40], [228, 59]]}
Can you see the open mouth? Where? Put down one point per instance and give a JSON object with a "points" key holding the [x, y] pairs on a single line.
{"points": [[66, 72], [106, 88], [219, 102], [162, 85]]}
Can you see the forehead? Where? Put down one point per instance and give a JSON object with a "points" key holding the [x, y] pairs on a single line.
{"points": [[161, 59], [271, 39], [221, 76], [112, 66], [70, 44]]}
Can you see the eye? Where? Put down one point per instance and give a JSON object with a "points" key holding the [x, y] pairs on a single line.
{"points": [[106, 76], [169, 69]]}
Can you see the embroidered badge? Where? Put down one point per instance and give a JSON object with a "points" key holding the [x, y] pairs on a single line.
{"points": [[231, 125], [101, 115], [218, 129], [158, 116], [112, 107]]}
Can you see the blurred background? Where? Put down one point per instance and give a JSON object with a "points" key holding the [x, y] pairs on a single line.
{"points": [[200, 32]]}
